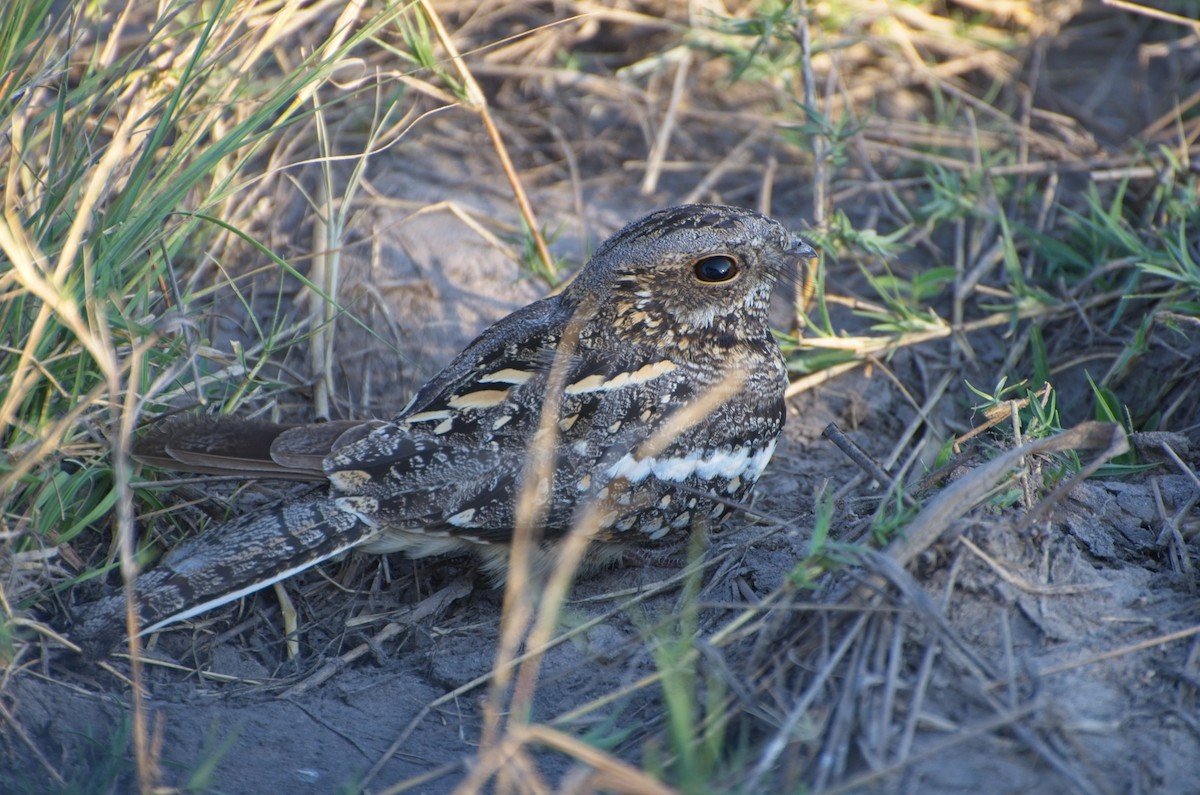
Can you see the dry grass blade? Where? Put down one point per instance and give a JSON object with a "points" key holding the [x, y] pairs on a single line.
{"points": [[772, 750], [658, 152], [477, 101], [571, 555], [964, 494], [434, 603], [856, 454], [521, 585], [1154, 13], [887, 572], [611, 774], [938, 750], [1021, 582]]}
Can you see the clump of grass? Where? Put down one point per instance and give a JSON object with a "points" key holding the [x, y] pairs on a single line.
{"points": [[136, 140], [112, 182]]}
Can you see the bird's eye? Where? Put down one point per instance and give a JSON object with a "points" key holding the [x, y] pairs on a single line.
{"points": [[717, 268]]}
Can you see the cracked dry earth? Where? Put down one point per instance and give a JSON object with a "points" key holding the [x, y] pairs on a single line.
{"points": [[1028, 676]]}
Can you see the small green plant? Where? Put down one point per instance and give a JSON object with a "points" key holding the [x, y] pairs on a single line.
{"points": [[821, 557], [696, 707], [907, 300], [761, 46], [419, 52], [957, 195], [1036, 412], [841, 235], [1177, 264], [892, 517], [531, 260], [1109, 408]]}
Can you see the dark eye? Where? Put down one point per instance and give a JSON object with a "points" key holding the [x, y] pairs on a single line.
{"points": [[717, 268]]}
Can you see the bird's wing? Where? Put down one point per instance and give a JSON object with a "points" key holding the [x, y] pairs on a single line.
{"points": [[453, 464], [457, 466]]}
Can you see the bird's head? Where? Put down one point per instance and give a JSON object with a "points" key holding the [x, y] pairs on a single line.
{"points": [[690, 273]]}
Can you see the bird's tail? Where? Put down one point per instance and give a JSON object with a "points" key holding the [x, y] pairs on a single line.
{"points": [[223, 564], [247, 448]]}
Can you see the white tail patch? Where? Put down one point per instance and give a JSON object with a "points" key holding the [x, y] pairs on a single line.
{"points": [[705, 464]]}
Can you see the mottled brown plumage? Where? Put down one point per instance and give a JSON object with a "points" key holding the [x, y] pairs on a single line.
{"points": [[662, 390]]}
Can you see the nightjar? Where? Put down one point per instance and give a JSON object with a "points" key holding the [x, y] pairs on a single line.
{"points": [[644, 399]]}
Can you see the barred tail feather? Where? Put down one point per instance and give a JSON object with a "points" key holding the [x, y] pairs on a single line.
{"points": [[223, 564]]}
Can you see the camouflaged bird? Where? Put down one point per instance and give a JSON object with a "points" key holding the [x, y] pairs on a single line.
{"points": [[644, 399]]}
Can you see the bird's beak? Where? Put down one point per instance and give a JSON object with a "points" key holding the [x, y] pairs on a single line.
{"points": [[808, 268], [801, 250]]}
